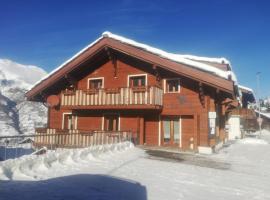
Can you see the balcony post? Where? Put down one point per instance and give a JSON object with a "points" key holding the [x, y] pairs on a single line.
{"points": [[141, 130]]}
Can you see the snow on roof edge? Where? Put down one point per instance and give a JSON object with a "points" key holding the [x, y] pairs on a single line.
{"points": [[221, 60], [159, 52], [246, 88], [174, 57], [267, 115]]}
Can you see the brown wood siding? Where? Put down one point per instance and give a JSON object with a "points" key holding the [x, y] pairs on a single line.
{"points": [[92, 122], [188, 136], [129, 122], [187, 103], [55, 117], [107, 71], [151, 129]]}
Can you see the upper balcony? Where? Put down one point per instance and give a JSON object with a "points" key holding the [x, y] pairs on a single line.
{"points": [[149, 97]]}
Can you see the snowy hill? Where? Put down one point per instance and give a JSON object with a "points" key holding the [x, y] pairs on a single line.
{"points": [[18, 116]]}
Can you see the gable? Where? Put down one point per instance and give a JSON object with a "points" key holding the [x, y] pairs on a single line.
{"points": [[119, 78]]}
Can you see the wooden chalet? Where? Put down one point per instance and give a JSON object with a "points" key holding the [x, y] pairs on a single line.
{"points": [[116, 84]]}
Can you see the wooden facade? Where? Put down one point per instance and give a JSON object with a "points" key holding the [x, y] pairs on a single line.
{"points": [[116, 87]]}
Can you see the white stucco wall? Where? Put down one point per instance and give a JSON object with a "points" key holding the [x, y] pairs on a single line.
{"points": [[234, 127]]}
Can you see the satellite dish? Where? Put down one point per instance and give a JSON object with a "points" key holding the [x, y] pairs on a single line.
{"points": [[53, 101]]}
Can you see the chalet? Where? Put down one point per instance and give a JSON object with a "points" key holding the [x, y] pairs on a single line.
{"points": [[163, 99]]}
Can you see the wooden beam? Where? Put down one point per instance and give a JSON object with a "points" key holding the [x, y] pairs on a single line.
{"points": [[141, 124], [157, 74], [112, 57], [72, 81], [201, 94], [115, 66]]}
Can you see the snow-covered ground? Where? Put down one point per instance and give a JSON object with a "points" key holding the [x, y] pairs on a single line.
{"points": [[124, 172]]}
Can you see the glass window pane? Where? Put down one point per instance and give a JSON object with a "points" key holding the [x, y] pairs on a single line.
{"points": [[166, 130], [96, 84], [137, 81], [173, 85], [176, 128]]}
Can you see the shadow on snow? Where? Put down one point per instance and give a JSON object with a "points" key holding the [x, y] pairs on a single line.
{"points": [[75, 187]]}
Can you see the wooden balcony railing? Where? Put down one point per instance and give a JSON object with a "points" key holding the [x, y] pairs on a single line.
{"points": [[244, 113], [56, 138], [150, 95]]}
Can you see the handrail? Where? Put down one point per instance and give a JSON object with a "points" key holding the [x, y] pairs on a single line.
{"points": [[146, 95], [55, 138]]}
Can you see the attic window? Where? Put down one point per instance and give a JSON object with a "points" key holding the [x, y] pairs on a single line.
{"points": [[172, 85], [137, 80], [95, 83]]}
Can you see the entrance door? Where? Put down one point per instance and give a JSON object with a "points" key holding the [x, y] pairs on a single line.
{"points": [[171, 131], [111, 122]]}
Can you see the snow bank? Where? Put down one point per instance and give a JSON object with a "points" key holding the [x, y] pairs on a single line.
{"points": [[35, 167], [253, 141]]}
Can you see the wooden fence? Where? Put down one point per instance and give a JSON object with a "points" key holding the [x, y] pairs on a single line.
{"points": [[53, 138]]}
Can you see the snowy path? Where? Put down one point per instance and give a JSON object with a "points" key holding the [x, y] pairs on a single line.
{"points": [[124, 172]]}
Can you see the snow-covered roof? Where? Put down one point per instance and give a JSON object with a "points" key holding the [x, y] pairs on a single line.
{"points": [[174, 57], [267, 115], [207, 59], [246, 88], [183, 59]]}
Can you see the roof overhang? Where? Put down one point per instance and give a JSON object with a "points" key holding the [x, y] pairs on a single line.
{"points": [[178, 68]]}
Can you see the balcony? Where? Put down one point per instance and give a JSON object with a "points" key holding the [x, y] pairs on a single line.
{"points": [[137, 97]]}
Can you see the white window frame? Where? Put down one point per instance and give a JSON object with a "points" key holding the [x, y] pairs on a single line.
{"points": [[96, 78], [136, 75], [75, 120], [170, 79], [103, 121]]}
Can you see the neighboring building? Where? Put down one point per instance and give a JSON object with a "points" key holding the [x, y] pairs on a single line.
{"points": [[265, 119], [243, 118], [164, 99]]}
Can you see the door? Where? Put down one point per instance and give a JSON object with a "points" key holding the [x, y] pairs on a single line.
{"points": [[111, 122], [68, 121], [189, 139], [171, 131]]}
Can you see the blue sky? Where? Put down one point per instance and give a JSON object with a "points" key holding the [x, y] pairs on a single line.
{"points": [[46, 33]]}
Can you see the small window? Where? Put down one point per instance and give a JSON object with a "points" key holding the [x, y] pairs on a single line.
{"points": [[173, 85], [95, 83], [137, 81]]}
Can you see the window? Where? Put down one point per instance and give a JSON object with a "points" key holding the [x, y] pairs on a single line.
{"points": [[137, 81], [111, 122], [172, 85], [171, 131], [69, 121], [95, 83]]}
